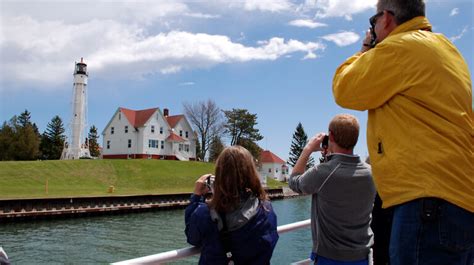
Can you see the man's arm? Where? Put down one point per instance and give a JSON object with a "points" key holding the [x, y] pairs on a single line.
{"points": [[370, 77], [302, 181]]}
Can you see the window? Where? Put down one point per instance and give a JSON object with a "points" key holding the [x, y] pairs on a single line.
{"points": [[180, 147], [126, 129], [161, 130], [269, 170], [276, 170], [153, 143], [153, 129], [129, 143], [186, 148], [111, 130], [162, 144], [186, 134], [120, 115], [181, 133], [108, 144]]}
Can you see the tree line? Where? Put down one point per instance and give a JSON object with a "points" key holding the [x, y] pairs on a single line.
{"points": [[20, 139], [238, 125]]}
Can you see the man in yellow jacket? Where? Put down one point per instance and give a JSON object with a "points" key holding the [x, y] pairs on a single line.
{"points": [[418, 91]]}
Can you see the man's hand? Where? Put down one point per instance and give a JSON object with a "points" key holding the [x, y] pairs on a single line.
{"points": [[366, 42], [314, 143], [200, 187]]}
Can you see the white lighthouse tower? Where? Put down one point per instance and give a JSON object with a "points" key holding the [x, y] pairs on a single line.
{"points": [[75, 146]]}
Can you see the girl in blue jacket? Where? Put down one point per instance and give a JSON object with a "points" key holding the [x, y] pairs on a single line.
{"points": [[238, 225]]}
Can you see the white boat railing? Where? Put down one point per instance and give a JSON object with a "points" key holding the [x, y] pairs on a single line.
{"points": [[182, 253]]}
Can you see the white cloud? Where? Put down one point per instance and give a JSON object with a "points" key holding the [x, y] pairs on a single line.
{"points": [[201, 15], [454, 12], [460, 35], [338, 8], [308, 23], [344, 38], [43, 52], [186, 84], [268, 5]]}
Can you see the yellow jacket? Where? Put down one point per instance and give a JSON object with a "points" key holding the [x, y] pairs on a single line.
{"points": [[417, 88]]}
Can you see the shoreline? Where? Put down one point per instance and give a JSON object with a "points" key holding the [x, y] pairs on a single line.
{"points": [[12, 210]]}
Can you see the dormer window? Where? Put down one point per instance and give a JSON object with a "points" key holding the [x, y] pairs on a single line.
{"points": [[126, 129]]}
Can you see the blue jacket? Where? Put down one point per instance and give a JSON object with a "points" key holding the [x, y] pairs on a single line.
{"points": [[252, 243]]}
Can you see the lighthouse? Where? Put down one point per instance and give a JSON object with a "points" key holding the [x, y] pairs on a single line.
{"points": [[76, 146]]}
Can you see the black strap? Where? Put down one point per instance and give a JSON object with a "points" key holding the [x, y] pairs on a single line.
{"points": [[224, 236]]}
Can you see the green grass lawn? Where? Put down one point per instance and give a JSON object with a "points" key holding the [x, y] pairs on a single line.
{"points": [[62, 178]]}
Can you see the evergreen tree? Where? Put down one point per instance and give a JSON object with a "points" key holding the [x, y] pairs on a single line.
{"points": [[7, 136], [26, 141], [93, 144], [198, 151], [52, 140], [300, 139], [215, 149], [253, 148], [241, 125]]}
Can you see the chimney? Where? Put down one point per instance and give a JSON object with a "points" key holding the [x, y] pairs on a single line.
{"points": [[165, 112]]}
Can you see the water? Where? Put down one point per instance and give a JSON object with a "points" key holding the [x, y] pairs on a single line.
{"points": [[105, 239]]}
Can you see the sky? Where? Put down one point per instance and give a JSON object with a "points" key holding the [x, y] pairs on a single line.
{"points": [[275, 58]]}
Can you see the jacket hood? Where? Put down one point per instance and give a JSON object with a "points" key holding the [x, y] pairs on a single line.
{"points": [[239, 217]]}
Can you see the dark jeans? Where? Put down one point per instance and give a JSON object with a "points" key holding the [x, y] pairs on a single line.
{"points": [[381, 226], [431, 231]]}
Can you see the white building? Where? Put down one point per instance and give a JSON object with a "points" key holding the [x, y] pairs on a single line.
{"points": [[75, 146], [272, 166], [148, 134]]}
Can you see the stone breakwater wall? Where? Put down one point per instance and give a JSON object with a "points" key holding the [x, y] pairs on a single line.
{"points": [[43, 208]]}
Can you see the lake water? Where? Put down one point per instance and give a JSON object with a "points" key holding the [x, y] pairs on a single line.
{"points": [[105, 239]]}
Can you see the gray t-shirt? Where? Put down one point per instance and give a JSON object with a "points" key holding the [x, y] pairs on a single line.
{"points": [[343, 194]]}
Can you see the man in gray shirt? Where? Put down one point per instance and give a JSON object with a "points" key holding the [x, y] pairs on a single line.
{"points": [[343, 194]]}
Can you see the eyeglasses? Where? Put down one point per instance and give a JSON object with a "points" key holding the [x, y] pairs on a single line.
{"points": [[373, 19]]}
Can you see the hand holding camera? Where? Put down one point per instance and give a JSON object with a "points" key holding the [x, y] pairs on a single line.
{"points": [[319, 142], [204, 184]]}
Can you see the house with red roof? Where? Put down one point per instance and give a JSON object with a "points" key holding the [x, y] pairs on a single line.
{"points": [[272, 166], [148, 133]]}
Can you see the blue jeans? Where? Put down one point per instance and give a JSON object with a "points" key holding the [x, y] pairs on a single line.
{"points": [[431, 231], [320, 260]]}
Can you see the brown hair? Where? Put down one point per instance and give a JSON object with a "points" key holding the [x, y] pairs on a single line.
{"points": [[236, 175], [345, 130]]}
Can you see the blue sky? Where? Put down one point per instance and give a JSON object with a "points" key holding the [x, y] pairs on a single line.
{"points": [[275, 58]]}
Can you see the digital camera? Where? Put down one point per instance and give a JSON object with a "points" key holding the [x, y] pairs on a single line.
{"points": [[210, 182]]}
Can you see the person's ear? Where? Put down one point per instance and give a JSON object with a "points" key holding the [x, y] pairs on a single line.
{"points": [[331, 136], [387, 19]]}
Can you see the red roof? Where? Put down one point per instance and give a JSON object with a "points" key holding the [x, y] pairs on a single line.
{"points": [[175, 138], [138, 118], [173, 120], [269, 157]]}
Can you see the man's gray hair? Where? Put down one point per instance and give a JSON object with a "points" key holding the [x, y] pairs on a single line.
{"points": [[404, 9]]}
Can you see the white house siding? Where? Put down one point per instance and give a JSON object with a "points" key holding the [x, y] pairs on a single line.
{"points": [[180, 129], [158, 121], [272, 170], [119, 139]]}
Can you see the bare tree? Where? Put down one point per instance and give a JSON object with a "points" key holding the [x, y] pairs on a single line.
{"points": [[206, 118]]}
